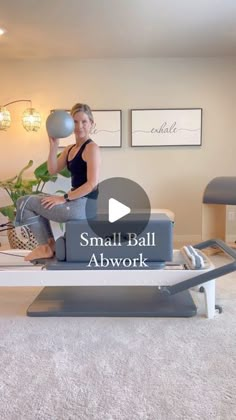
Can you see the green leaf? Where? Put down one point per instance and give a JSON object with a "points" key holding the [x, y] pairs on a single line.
{"points": [[29, 183], [6, 184], [62, 226], [65, 172], [11, 179], [17, 187], [19, 178], [41, 170], [60, 192], [8, 211]]}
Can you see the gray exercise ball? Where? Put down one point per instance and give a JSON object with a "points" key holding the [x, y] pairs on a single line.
{"points": [[60, 124]]}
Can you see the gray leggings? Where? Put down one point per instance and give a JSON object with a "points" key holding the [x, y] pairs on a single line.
{"points": [[30, 211]]}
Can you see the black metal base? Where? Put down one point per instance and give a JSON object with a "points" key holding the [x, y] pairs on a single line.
{"points": [[111, 301]]}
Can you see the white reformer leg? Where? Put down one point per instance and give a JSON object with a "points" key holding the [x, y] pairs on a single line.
{"points": [[209, 295]]}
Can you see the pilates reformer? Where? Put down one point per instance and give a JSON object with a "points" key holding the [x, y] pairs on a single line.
{"points": [[161, 290]]}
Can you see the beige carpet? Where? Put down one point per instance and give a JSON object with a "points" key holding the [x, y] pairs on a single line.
{"points": [[117, 368]]}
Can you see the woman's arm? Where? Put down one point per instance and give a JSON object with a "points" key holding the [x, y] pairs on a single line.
{"points": [[54, 163], [91, 155]]}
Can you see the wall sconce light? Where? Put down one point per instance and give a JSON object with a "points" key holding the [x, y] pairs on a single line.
{"points": [[31, 118]]}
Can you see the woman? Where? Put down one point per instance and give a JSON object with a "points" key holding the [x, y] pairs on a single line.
{"points": [[83, 161]]}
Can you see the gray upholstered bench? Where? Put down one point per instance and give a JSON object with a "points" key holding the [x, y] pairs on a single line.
{"points": [[219, 193]]}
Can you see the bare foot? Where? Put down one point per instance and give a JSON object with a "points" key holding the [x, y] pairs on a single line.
{"points": [[42, 251]]}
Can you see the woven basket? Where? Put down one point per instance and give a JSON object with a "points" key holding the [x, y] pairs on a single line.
{"points": [[21, 238]]}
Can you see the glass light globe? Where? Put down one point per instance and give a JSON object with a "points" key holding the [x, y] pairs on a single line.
{"points": [[5, 118], [31, 119]]}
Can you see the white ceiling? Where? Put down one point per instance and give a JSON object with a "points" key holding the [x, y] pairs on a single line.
{"points": [[43, 29]]}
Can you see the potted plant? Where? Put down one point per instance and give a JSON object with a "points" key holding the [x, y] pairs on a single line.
{"points": [[17, 187]]}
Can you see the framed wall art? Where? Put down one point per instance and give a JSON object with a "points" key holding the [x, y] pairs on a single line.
{"points": [[166, 127], [106, 132]]}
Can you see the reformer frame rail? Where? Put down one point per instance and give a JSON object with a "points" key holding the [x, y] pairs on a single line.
{"points": [[136, 293]]}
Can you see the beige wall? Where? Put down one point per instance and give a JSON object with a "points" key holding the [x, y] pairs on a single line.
{"points": [[173, 177]]}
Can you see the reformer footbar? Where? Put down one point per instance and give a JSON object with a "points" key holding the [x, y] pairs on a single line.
{"points": [[208, 275]]}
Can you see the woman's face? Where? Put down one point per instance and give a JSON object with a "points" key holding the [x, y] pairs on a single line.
{"points": [[83, 125]]}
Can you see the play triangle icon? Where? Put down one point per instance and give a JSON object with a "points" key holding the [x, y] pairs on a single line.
{"points": [[117, 210]]}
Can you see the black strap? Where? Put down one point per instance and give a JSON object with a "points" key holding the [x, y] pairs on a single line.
{"points": [[81, 149], [84, 145], [68, 153]]}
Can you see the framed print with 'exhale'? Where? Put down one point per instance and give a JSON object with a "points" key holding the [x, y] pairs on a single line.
{"points": [[166, 127]]}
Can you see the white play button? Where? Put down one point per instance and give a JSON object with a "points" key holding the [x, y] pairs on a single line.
{"points": [[117, 210], [118, 207]]}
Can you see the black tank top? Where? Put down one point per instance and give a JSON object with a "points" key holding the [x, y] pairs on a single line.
{"points": [[78, 168]]}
